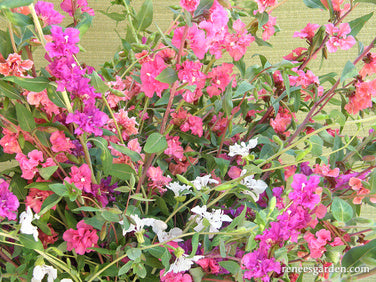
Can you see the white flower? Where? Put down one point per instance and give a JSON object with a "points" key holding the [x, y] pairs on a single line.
{"points": [[26, 218], [66, 280], [168, 236], [203, 181], [140, 223], [41, 270], [242, 149], [215, 219], [177, 188], [256, 187], [183, 263]]}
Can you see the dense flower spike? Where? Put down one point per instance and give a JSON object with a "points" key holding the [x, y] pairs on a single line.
{"points": [[64, 42]]}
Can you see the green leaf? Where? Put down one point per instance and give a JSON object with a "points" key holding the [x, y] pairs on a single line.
{"points": [[156, 143], [55, 97], [59, 189], [10, 4], [114, 16], [133, 253], [125, 268], [222, 165], [18, 186], [245, 86], [314, 4], [354, 256], [25, 118], [341, 210], [46, 172], [168, 75], [230, 266], [5, 44], [29, 242], [317, 144], [121, 171], [84, 24], [349, 71], [50, 202], [145, 15], [139, 197], [88, 209], [194, 244], [36, 84], [262, 18], [8, 91], [97, 82], [204, 5], [106, 156], [140, 270], [135, 157], [44, 186], [338, 117], [357, 24]]}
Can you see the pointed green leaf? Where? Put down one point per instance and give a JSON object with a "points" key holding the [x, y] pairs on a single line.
{"points": [[341, 210], [349, 71], [8, 91], [10, 4], [354, 256], [121, 171], [25, 118], [314, 4], [36, 84], [49, 203], [145, 16], [357, 24], [46, 172]]}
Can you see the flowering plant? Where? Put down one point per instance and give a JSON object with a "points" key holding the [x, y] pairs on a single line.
{"points": [[178, 161]]}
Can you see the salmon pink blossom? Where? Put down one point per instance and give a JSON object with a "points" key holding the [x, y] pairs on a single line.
{"points": [[81, 239], [339, 38], [195, 39], [308, 32], [15, 66], [80, 177]]}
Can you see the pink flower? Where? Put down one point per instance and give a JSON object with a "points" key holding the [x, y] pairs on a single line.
{"points": [[269, 28], [369, 67], [47, 14], [9, 142], [209, 265], [190, 73], [67, 6], [263, 4], [189, 5], [281, 121], [60, 143], [195, 39], [325, 170], [80, 177], [236, 44], [194, 124], [234, 172], [15, 66], [362, 98], [339, 37], [308, 32], [174, 277], [81, 239], [157, 179], [29, 164], [149, 71], [40, 99], [174, 148], [35, 199], [220, 77]]}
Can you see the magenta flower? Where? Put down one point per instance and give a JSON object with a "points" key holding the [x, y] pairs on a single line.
{"points": [[70, 7], [189, 5], [236, 44], [339, 37], [81, 239], [64, 42], [47, 14], [8, 202], [90, 121], [220, 77], [304, 190], [149, 71]]}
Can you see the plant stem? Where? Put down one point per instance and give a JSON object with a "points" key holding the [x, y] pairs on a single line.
{"points": [[37, 25]]}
